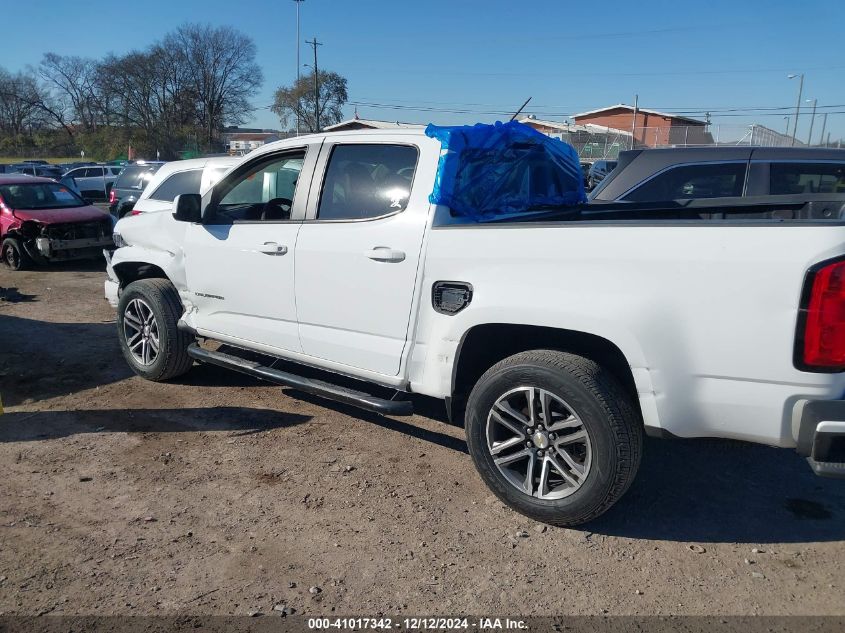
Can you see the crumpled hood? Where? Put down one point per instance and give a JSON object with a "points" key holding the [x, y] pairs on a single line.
{"points": [[61, 216]]}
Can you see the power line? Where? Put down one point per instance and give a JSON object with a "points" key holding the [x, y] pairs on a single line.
{"points": [[670, 73], [735, 112]]}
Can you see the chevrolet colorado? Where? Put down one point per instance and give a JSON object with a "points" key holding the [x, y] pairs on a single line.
{"points": [[558, 335]]}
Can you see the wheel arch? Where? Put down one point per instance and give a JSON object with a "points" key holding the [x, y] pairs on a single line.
{"points": [[482, 346], [130, 271], [131, 263]]}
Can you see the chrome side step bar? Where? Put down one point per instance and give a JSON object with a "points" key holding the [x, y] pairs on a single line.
{"points": [[308, 385]]}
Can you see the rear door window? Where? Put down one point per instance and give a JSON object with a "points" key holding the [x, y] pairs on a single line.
{"points": [[178, 183], [685, 182], [798, 178], [367, 181]]}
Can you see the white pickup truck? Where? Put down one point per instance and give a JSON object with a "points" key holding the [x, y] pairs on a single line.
{"points": [[558, 337]]}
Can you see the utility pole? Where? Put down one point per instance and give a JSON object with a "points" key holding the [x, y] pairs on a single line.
{"points": [[798, 105], [812, 121], [634, 122], [298, 64], [824, 125], [314, 44]]}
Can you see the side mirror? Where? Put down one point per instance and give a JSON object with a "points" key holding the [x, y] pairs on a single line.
{"points": [[187, 207]]}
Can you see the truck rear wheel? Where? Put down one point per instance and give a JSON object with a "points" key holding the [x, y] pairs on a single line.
{"points": [[554, 436], [147, 314]]}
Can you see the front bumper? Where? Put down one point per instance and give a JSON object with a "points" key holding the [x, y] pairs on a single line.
{"points": [[820, 434], [111, 286], [62, 250]]}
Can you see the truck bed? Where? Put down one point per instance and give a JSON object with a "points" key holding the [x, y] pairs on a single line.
{"points": [[800, 208]]}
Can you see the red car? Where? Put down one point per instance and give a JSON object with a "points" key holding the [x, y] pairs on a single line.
{"points": [[43, 221]]}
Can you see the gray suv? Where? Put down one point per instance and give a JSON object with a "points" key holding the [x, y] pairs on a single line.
{"points": [[724, 175], [129, 185]]}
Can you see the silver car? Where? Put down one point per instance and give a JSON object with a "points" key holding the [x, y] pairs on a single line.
{"points": [[94, 182]]}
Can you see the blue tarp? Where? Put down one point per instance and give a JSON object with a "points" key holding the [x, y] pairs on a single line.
{"points": [[490, 171]]}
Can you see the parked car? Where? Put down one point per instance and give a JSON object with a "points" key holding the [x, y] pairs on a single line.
{"points": [[68, 166], [43, 221], [36, 161], [557, 340], [585, 169], [195, 175], [94, 182], [129, 185], [37, 169], [723, 175], [598, 171]]}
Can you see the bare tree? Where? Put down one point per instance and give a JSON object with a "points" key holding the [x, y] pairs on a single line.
{"points": [[151, 98], [220, 70], [19, 99], [174, 94], [297, 101], [73, 82], [25, 105]]}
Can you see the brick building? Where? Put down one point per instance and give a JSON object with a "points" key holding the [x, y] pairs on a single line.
{"points": [[652, 128]]}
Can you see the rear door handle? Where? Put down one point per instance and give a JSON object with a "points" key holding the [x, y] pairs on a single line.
{"points": [[385, 254], [273, 248]]}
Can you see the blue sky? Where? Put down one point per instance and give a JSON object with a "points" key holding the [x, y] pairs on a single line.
{"points": [[465, 61]]}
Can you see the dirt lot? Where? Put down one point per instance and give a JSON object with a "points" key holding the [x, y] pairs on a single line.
{"points": [[217, 494]]}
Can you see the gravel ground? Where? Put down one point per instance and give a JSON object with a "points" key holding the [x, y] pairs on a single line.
{"points": [[217, 494]]}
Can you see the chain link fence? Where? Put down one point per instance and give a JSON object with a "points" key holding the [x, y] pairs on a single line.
{"points": [[595, 142]]}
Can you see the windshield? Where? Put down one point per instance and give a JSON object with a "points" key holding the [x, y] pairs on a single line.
{"points": [[39, 195]]}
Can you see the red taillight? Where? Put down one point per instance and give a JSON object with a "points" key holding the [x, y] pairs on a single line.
{"points": [[112, 197], [822, 337], [135, 212]]}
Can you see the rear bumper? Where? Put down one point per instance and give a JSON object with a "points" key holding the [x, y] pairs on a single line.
{"points": [[821, 436]]}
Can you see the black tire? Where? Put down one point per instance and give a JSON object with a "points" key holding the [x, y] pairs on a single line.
{"points": [[125, 210], [14, 256], [606, 413], [171, 358]]}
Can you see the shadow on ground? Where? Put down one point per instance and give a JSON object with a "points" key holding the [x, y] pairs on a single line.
{"points": [[49, 425], [722, 491], [398, 425], [13, 295], [41, 359], [687, 490], [74, 266]]}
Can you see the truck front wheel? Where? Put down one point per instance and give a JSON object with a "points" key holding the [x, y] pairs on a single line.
{"points": [[147, 314], [554, 436]]}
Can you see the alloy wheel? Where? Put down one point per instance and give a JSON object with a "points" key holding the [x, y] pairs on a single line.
{"points": [[538, 443], [140, 331], [11, 257]]}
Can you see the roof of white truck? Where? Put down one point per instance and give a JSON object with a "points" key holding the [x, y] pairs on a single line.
{"points": [[317, 137]]}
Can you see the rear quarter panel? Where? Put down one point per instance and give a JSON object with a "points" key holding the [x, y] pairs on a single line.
{"points": [[704, 314]]}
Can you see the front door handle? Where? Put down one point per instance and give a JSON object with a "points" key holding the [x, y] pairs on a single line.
{"points": [[385, 254], [273, 248]]}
